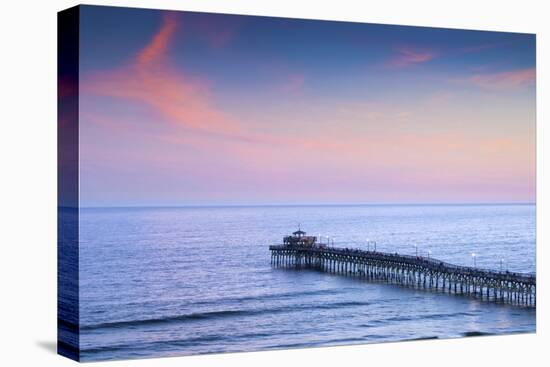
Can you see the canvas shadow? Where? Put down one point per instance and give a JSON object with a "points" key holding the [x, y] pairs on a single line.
{"points": [[48, 345]]}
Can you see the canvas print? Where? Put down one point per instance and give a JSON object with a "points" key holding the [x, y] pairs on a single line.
{"points": [[233, 183]]}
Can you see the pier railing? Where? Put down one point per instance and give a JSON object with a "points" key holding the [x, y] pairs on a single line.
{"points": [[412, 271]]}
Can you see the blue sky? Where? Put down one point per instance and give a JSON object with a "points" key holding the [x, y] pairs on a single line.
{"points": [[193, 108]]}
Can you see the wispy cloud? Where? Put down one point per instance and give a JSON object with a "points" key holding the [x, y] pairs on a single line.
{"points": [[503, 80], [151, 80], [156, 49], [407, 56]]}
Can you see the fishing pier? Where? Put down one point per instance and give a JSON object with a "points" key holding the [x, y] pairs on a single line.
{"points": [[307, 252]]}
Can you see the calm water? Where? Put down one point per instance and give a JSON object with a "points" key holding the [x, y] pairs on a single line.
{"points": [[180, 281]]}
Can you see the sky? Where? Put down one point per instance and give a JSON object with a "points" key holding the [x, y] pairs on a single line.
{"points": [[181, 108]]}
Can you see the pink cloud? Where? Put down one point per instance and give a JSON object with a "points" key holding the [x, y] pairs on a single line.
{"points": [[156, 49], [407, 56], [183, 99], [504, 80], [151, 80]]}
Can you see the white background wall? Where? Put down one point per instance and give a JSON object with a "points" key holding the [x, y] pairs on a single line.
{"points": [[28, 181]]}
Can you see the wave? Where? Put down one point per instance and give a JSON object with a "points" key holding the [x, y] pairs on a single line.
{"points": [[285, 295], [438, 316], [150, 345], [209, 315], [220, 314], [191, 316], [435, 316], [179, 343], [228, 300]]}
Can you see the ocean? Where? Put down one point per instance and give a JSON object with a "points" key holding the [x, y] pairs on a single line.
{"points": [[181, 281]]}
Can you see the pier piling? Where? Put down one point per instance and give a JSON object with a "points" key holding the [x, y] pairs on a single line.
{"points": [[408, 271]]}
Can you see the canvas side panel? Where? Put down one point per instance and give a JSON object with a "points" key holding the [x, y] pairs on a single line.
{"points": [[67, 195]]}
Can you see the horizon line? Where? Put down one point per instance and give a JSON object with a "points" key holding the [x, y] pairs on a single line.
{"points": [[243, 205]]}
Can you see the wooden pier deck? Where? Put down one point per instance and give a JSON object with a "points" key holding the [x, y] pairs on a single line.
{"points": [[408, 271]]}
